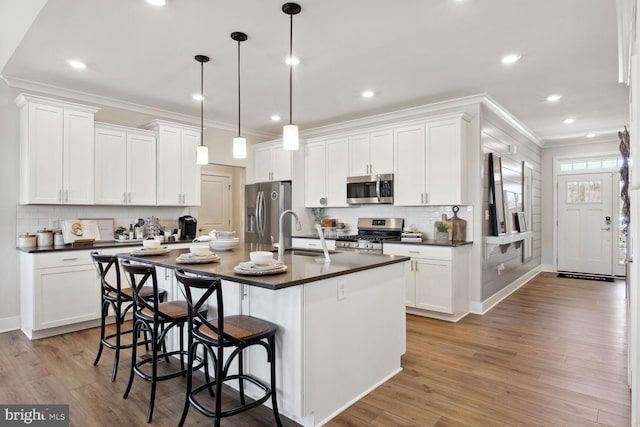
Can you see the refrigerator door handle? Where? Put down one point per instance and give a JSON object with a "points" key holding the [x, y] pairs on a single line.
{"points": [[261, 213]]}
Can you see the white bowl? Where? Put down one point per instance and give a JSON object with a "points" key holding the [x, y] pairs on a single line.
{"points": [[261, 257], [223, 245], [199, 249], [151, 244]]}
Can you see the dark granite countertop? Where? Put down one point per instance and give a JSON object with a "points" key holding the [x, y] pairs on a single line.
{"points": [[95, 245], [302, 266]]}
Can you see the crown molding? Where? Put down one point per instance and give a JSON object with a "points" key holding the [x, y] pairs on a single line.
{"points": [[18, 83], [505, 115]]}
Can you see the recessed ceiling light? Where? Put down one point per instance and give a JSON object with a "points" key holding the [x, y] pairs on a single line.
{"points": [[197, 97], [568, 121], [554, 98], [292, 60], [368, 94], [157, 2], [590, 135], [79, 65], [511, 58], [275, 118]]}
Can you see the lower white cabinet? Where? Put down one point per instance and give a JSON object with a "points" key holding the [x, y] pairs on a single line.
{"points": [[57, 289], [437, 281]]}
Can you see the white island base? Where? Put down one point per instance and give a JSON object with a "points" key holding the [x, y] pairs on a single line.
{"points": [[338, 339]]}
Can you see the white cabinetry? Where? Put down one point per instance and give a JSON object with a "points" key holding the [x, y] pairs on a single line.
{"points": [[371, 153], [272, 163], [178, 178], [57, 289], [436, 279], [56, 151], [430, 162], [326, 169], [125, 166]]}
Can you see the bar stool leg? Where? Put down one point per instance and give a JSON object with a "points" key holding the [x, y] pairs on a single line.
{"points": [[102, 326], [272, 360], [118, 318], [241, 375]]}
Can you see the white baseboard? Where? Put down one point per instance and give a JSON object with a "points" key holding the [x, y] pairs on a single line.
{"points": [[548, 268], [9, 324], [493, 300]]}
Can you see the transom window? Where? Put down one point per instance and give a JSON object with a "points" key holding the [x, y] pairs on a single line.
{"points": [[571, 165]]}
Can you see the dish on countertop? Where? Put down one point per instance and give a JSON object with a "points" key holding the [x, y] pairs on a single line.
{"points": [[197, 259], [148, 251], [248, 267]]}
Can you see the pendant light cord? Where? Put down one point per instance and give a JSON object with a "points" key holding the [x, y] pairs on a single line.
{"points": [[239, 88], [201, 103], [291, 70]]}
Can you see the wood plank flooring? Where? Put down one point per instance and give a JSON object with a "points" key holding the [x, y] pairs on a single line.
{"points": [[552, 354]]}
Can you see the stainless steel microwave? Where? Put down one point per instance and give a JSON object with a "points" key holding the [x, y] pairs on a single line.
{"points": [[370, 189]]}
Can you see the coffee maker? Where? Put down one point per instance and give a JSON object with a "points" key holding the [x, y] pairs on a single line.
{"points": [[188, 226]]}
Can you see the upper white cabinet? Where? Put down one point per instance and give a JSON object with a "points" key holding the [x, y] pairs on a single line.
{"points": [[272, 163], [178, 175], [125, 166], [326, 170], [431, 162], [371, 153], [56, 151]]}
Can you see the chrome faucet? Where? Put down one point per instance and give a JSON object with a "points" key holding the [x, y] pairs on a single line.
{"points": [[281, 236]]}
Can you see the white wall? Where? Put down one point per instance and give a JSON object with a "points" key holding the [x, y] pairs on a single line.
{"points": [[549, 153], [9, 142]]}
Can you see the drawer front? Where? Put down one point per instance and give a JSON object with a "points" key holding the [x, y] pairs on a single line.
{"points": [[62, 259], [312, 243], [418, 251]]}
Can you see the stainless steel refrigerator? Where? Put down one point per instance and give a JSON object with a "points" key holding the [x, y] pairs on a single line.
{"points": [[264, 202]]}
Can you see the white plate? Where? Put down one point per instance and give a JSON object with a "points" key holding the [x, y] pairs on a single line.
{"points": [[148, 252], [197, 259], [250, 266], [255, 272]]}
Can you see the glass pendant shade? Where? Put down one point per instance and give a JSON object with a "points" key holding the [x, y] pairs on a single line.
{"points": [[290, 140], [202, 155], [239, 148]]}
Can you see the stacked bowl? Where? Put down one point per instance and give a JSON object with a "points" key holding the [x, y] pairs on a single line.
{"points": [[223, 240]]}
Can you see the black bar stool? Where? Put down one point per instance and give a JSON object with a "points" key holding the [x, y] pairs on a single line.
{"points": [[120, 300], [157, 319], [236, 332]]}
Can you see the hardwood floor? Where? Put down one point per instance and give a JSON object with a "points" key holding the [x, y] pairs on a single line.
{"points": [[553, 353]]}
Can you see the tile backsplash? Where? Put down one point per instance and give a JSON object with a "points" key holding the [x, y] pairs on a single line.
{"points": [[31, 218], [419, 219]]}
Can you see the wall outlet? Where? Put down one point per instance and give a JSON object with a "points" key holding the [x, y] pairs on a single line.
{"points": [[342, 291], [500, 268]]}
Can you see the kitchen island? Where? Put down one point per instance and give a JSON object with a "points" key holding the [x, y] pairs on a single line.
{"points": [[341, 325]]}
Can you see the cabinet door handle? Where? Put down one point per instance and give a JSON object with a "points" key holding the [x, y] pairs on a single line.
{"points": [[426, 197], [66, 196], [414, 252], [124, 197], [421, 198], [129, 196], [411, 265], [60, 196], [69, 259]]}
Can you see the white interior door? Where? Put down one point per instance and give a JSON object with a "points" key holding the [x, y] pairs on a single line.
{"points": [[215, 203], [585, 223]]}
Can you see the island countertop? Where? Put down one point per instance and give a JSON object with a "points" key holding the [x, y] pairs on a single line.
{"points": [[303, 266]]}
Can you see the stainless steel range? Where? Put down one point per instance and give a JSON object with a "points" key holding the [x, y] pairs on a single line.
{"points": [[371, 233]]}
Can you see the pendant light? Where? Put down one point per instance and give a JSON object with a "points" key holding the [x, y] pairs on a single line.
{"points": [[202, 152], [239, 143], [290, 139]]}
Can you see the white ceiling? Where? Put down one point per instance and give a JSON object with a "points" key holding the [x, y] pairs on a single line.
{"points": [[410, 52]]}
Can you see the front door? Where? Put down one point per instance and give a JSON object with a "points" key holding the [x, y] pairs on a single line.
{"points": [[585, 223], [215, 203]]}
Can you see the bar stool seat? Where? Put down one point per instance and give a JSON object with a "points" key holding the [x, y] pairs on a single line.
{"points": [[235, 333], [120, 300]]}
